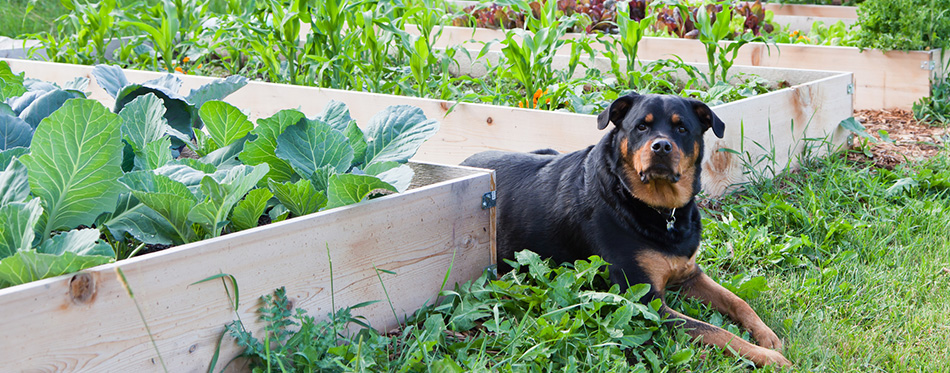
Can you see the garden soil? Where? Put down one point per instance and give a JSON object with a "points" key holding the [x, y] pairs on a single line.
{"points": [[910, 139]]}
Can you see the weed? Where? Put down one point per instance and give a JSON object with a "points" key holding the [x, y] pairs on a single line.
{"points": [[128, 289]]}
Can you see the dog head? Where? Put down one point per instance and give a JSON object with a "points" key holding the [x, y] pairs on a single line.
{"points": [[659, 145]]}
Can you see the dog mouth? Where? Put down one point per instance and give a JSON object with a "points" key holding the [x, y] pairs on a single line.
{"points": [[659, 172]]}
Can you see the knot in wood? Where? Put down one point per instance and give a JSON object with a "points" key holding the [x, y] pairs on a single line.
{"points": [[82, 288], [467, 242]]}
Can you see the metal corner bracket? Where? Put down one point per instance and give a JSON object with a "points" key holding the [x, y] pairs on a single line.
{"points": [[488, 200]]}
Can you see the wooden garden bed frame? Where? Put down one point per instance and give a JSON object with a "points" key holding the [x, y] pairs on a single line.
{"points": [[14, 48], [432, 235], [809, 10]]}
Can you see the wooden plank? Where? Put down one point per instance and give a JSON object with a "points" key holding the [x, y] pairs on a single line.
{"points": [[808, 10], [419, 234], [892, 79], [12, 48], [776, 132], [804, 24], [471, 128]]}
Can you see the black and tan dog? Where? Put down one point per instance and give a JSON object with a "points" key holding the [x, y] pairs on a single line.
{"points": [[630, 200]]}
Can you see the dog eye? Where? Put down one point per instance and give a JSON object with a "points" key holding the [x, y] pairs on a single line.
{"points": [[641, 127], [681, 129]]}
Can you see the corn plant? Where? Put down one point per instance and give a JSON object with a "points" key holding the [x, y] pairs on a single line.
{"points": [[284, 20], [720, 57], [170, 27], [628, 42], [530, 62], [82, 35]]}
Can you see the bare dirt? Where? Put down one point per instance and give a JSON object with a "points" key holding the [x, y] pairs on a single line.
{"points": [[910, 140]]}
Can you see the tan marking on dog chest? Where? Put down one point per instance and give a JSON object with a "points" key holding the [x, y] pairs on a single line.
{"points": [[664, 270]]}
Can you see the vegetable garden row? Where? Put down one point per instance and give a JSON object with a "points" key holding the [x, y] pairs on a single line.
{"points": [[100, 163]]}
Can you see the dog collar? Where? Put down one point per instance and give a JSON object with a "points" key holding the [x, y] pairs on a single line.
{"points": [[670, 220]]}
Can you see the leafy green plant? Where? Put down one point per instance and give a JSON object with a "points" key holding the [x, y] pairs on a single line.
{"points": [[540, 318], [84, 166], [181, 112], [903, 24], [287, 61], [329, 161], [837, 33], [44, 191], [630, 33], [171, 27], [82, 35]]}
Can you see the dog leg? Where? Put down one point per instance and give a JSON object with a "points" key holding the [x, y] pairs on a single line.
{"points": [[730, 343], [701, 287]]}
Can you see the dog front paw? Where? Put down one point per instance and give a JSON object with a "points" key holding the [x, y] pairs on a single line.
{"points": [[772, 357], [766, 338]]}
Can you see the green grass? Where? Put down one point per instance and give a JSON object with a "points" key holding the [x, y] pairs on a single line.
{"points": [[16, 22], [13, 23], [849, 265], [868, 290]]}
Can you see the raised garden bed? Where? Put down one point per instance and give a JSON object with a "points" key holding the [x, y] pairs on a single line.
{"points": [[435, 234], [406, 243], [882, 79], [811, 108]]}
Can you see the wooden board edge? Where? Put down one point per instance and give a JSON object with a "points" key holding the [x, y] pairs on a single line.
{"points": [[810, 10]]}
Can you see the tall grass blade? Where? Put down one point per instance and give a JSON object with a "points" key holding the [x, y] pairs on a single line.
{"points": [[128, 289]]}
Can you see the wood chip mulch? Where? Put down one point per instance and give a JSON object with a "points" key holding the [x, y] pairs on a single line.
{"points": [[911, 140]]}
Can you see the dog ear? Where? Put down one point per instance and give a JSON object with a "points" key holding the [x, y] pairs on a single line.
{"points": [[708, 118], [617, 110]]}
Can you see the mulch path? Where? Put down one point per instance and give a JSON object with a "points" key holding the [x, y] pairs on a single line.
{"points": [[910, 139]]}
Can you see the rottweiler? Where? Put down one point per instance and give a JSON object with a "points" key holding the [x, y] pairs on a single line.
{"points": [[631, 200]]}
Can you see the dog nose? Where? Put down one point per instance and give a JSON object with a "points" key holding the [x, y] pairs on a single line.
{"points": [[662, 147]]}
